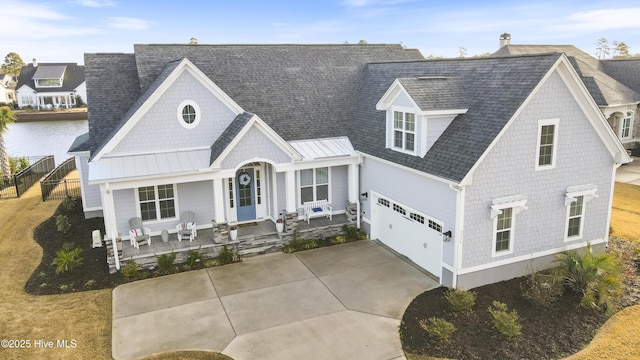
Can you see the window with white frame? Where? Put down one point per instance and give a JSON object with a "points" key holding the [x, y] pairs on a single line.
{"points": [[576, 199], [547, 144], [314, 184], [404, 131], [503, 213], [157, 202], [189, 114], [625, 128]]}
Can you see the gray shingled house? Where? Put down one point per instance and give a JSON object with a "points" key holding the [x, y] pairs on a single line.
{"points": [[51, 85], [472, 168], [614, 85]]}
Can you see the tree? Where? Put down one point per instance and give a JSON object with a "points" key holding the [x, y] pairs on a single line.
{"points": [[6, 117], [620, 50], [462, 51], [12, 64], [602, 48]]}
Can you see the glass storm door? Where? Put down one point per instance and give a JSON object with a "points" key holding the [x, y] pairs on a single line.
{"points": [[245, 193]]}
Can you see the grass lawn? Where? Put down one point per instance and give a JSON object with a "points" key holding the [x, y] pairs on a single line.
{"points": [[625, 212]]}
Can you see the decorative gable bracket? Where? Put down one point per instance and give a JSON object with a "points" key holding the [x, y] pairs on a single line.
{"points": [[588, 192], [517, 202]]}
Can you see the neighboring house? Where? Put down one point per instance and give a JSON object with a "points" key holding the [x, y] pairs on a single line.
{"points": [[472, 168], [51, 85], [610, 88], [7, 94]]}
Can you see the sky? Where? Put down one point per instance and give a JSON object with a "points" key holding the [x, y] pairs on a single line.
{"points": [[63, 30]]}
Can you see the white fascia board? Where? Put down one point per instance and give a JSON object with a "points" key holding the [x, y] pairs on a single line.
{"points": [[389, 97], [451, 112], [79, 153], [184, 66], [411, 170], [267, 131]]}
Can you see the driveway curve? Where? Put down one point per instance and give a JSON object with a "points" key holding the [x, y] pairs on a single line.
{"points": [[338, 302]]}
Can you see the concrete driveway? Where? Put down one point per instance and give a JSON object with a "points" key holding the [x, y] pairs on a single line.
{"points": [[629, 173], [339, 302]]}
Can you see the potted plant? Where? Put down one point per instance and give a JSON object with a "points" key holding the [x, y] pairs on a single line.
{"points": [[233, 232], [279, 225]]}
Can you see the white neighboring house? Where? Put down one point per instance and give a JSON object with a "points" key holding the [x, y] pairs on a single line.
{"points": [[472, 168], [7, 94], [51, 85]]}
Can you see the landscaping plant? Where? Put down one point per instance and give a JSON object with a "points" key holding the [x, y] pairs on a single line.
{"points": [[165, 262], [461, 300], [228, 256], [438, 328], [541, 289], [194, 259], [130, 269], [506, 322], [62, 223], [597, 278], [67, 260]]}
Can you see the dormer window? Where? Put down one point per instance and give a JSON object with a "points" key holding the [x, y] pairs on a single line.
{"points": [[49, 76], [404, 130]]}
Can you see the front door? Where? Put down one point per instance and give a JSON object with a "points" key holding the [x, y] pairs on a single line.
{"points": [[245, 193]]}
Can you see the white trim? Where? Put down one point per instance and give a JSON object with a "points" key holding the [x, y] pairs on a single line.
{"points": [[629, 115], [528, 256], [554, 160], [588, 192], [458, 240], [314, 185], [517, 203], [196, 108], [411, 170], [451, 112], [391, 133], [156, 201], [184, 66], [569, 217]]}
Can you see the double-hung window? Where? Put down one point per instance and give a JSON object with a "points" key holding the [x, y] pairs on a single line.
{"points": [[157, 202], [547, 144], [576, 200], [314, 184], [503, 213], [625, 129], [404, 131]]}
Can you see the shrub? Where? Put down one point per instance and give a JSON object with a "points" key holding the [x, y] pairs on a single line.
{"points": [[362, 235], [165, 262], [194, 259], [596, 278], [67, 260], [506, 322], [228, 256], [438, 328], [350, 232], [340, 239], [540, 289], [310, 244], [130, 269], [68, 205], [461, 300], [62, 223]]}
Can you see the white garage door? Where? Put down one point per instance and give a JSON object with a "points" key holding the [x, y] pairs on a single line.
{"points": [[408, 232]]}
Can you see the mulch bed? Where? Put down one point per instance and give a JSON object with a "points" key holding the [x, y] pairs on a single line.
{"points": [[91, 275], [549, 332]]}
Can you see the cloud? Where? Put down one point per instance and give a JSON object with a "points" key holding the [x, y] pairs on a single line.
{"points": [[95, 3], [128, 23], [599, 20]]}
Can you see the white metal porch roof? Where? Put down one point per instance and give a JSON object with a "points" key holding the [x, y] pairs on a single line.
{"points": [[324, 148]]}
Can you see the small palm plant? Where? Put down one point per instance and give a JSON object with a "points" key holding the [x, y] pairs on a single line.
{"points": [[596, 277], [67, 260], [6, 117]]}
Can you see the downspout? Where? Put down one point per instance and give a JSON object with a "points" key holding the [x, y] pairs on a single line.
{"points": [[458, 235]]}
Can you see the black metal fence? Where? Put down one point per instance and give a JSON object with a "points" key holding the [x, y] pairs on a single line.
{"points": [[19, 183], [55, 186]]}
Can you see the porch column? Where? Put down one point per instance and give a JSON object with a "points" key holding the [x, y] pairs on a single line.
{"points": [[353, 180], [109, 212], [218, 201], [291, 190]]}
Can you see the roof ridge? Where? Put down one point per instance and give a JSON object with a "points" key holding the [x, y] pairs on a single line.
{"points": [[477, 58]]}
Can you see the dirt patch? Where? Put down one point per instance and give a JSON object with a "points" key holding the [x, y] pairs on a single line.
{"points": [[556, 331]]}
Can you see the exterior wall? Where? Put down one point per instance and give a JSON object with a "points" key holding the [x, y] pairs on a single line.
{"points": [[254, 144], [160, 128], [403, 100], [282, 191], [339, 187], [81, 90], [197, 197], [125, 208], [90, 193], [431, 197], [509, 169], [25, 91], [435, 128]]}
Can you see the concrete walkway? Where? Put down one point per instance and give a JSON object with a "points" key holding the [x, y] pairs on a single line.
{"points": [[339, 302], [629, 173]]}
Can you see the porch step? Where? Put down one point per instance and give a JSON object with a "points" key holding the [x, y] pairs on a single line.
{"points": [[259, 246]]}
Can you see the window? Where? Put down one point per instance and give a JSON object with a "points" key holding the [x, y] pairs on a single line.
{"points": [[157, 202], [48, 83], [625, 130], [417, 217], [383, 202], [576, 200], [399, 209], [404, 130], [258, 188], [314, 184], [189, 114], [435, 226], [231, 193], [504, 227], [503, 213], [547, 144], [574, 226]]}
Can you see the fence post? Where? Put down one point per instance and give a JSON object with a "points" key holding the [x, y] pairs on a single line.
{"points": [[15, 183], [66, 190]]}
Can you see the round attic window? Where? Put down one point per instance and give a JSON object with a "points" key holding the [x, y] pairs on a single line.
{"points": [[188, 114]]}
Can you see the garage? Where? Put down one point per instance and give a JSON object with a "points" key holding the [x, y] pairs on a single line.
{"points": [[409, 232]]}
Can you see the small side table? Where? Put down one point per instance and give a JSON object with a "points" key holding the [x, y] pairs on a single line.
{"points": [[165, 236]]}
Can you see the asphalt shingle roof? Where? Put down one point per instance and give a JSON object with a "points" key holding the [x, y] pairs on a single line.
{"points": [[627, 71], [436, 92], [73, 76], [495, 89], [605, 90]]}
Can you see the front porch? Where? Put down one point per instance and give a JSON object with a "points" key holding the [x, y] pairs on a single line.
{"points": [[254, 238]]}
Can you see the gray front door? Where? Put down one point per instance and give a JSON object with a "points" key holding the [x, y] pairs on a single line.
{"points": [[245, 193]]}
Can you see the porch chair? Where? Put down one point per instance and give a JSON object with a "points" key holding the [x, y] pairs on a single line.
{"points": [[187, 227], [138, 234]]}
